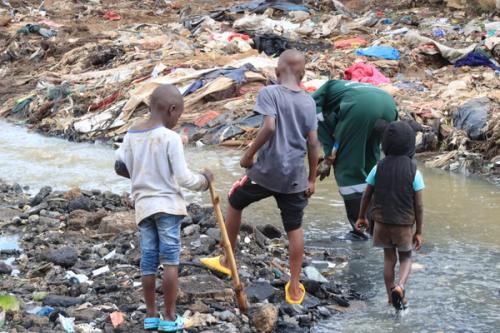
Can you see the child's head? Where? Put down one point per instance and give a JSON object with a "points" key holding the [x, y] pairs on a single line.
{"points": [[166, 104], [399, 140], [291, 63]]}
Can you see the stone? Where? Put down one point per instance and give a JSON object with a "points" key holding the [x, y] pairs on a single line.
{"points": [[290, 326], [292, 309], [62, 301], [270, 231], [64, 256], [17, 188], [260, 291], [42, 194], [323, 311], [5, 269], [59, 204], [200, 287], [82, 202], [214, 233], [79, 219], [191, 230], [227, 316], [312, 273], [37, 209], [118, 222], [201, 320], [263, 317], [34, 218], [199, 306]]}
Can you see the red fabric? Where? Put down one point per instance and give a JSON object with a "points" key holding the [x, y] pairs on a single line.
{"points": [[366, 73], [112, 16], [237, 35], [105, 102], [206, 118], [350, 43]]}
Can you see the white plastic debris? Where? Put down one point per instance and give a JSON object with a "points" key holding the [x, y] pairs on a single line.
{"points": [[100, 271], [81, 278], [68, 324]]}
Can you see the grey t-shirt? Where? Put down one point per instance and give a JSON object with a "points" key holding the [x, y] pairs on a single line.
{"points": [[280, 165]]}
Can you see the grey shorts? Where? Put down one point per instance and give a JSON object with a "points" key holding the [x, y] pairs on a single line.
{"points": [[390, 236]]}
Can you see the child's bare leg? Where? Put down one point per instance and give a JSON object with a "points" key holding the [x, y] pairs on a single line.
{"points": [[169, 291], [296, 254], [149, 289], [404, 267], [390, 260], [233, 223]]}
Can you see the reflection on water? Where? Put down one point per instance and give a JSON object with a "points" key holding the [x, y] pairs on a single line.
{"points": [[455, 285]]}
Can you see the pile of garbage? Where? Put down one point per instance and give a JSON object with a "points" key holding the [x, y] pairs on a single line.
{"points": [[85, 70], [77, 270]]}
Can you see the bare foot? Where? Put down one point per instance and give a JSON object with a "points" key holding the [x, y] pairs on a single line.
{"points": [[295, 292]]}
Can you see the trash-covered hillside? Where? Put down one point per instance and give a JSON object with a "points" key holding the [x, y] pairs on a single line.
{"points": [[84, 69]]}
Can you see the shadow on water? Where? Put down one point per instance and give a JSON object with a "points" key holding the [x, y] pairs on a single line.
{"points": [[455, 284]]}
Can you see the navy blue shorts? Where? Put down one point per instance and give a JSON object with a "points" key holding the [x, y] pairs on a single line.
{"points": [[245, 192]]}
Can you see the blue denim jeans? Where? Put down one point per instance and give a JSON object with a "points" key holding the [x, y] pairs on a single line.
{"points": [[160, 242]]}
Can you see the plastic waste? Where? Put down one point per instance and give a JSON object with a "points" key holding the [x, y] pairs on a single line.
{"points": [[2, 318], [100, 271], [35, 28], [45, 311], [274, 45], [438, 32], [21, 105], [76, 278], [350, 43], [366, 73], [472, 117], [68, 324], [387, 21], [385, 52], [399, 31], [9, 303], [477, 58], [260, 6], [112, 16]]}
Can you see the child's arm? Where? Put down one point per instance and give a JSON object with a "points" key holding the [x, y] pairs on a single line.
{"points": [[121, 169], [362, 222], [419, 219], [184, 176], [265, 133], [313, 157]]}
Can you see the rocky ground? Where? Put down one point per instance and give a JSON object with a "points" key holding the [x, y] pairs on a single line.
{"points": [[78, 265]]}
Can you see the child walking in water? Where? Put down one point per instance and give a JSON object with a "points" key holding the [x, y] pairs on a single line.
{"points": [[396, 186], [288, 133], [152, 157]]}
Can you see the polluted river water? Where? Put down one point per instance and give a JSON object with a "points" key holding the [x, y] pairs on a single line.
{"points": [[455, 284]]}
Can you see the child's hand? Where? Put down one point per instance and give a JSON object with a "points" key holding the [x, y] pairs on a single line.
{"points": [[417, 241], [209, 175], [362, 224], [246, 161], [324, 168], [311, 188]]}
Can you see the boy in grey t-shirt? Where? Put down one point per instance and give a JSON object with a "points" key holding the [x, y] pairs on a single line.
{"points": [[287, 135]]}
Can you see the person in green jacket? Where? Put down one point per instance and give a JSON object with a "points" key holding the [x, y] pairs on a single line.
{"points": [[351, 118]]}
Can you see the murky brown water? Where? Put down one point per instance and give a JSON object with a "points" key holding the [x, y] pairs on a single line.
{"points": [[455, 286]]}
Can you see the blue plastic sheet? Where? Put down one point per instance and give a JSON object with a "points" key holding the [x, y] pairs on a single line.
{"points": [[385, 52], [476, 58]]}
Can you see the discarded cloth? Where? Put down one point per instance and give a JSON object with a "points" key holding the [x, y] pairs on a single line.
{"points": [[260, 6], [21, 105], [36, 29], [472, 117], [274, 45], [385, 52], [350, 43], [366, 73], [477, 58], [112, 16]]}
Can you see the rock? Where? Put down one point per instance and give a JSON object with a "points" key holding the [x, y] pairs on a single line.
{"points": [[118, 222], [37, 209], [62, 301], [5, 269], [200, 287], [323, 311], [191, 230], [79, 219], [42, 194], [199, 306], [227, 316], [292, 309], [34, 219], [259, 291], [39, 295], [263, 317], [80, 203], [65, 256], [58, 204], [201, 320], [214, 233], [313, 274], [196, 212], [17, 188], [270, 231], [261, 239]]}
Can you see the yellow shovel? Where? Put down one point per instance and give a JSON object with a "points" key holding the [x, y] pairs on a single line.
{"points": [[238, 286]]}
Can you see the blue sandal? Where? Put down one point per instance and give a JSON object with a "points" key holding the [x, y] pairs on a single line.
{"points": [[171, 326], [151, 323]]}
